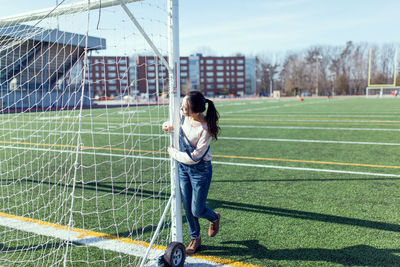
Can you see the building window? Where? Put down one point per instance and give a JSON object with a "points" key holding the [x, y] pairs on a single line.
{"points": [[111, 68], [240, 73], [184, 68], [183, 80], [150, 61], [240, 80], [240, 86], [151, 67], [152, 87], [111, 61], [210, 86], [112, 75], [122, 61], [220, 80], [239, 61], [210, 74], [210, 67], [220, 74], [151, 74], [112, 88], [220, 67], [184, 74], [239, 67], [122, 68], [220, 61], [151, 81], [210, 80], [220, 86], [209, 61], [112, 82], [183, 61]]}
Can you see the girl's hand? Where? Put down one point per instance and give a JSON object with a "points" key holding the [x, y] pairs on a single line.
{"points": [[167, 126], [171, 150]]}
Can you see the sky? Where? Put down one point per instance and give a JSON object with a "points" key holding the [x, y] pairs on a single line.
{"points": [[272, 26], [265, 27]]}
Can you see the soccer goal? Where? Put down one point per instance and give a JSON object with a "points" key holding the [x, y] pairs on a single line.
{"points": [[85, 174], [386, 85], [384, 91]]}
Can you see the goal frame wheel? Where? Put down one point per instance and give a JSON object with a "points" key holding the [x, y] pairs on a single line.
{"points": [[174, 255]]}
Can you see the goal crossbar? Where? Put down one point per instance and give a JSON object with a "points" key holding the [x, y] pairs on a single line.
{"points": [[60, 10]]}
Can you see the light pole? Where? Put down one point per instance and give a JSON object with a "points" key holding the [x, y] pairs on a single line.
{"points": [[270, 71], [317, 58]]}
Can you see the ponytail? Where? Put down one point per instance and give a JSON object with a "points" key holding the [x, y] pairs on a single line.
{"points": [[212, 117], [197, 103]]}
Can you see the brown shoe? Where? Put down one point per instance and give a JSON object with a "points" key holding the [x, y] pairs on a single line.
{"points": [[194, 246], [214, 226]]}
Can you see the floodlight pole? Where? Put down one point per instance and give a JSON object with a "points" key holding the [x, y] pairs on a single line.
{"points": [[174, 105], [317, 58]]}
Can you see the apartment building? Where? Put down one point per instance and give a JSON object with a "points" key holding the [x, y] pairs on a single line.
{"points": [[109, 76]]}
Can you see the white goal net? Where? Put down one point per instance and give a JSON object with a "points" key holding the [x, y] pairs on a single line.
{"points": [[85, 176], [385, 91]]}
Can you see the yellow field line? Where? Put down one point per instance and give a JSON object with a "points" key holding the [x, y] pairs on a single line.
{"points": [[216, 156], [85, 233], [309, 161]]}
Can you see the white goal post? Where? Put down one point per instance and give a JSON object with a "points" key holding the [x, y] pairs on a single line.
{"points": [[384, 91], [86, 178]]}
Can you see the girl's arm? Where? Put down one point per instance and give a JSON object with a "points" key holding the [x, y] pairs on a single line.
{"points": [[201, 148]]}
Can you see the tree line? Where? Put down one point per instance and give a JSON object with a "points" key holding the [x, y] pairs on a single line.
{"points": [[323, 70]]}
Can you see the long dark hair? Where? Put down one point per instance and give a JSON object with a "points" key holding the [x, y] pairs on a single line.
{"points": [[197, 103]]}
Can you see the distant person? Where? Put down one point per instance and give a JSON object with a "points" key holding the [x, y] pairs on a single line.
{"points": [[194, 162], [396, 92], [329, 95]]}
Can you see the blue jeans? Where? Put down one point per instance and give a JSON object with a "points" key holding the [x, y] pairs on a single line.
{"points": [[194, 182]]}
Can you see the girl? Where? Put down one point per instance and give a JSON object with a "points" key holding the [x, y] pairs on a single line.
{"points": [[194, 162]]}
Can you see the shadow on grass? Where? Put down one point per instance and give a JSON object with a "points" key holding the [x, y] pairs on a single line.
{"points": [[361, 255], [308, 180], [215, 204], [36, 247]]}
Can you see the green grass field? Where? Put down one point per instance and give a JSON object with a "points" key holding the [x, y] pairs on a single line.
{"points": [[313, 183]]}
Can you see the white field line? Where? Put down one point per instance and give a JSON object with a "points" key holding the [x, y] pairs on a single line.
{"points": [[92, 239], [310, 128], [308, 120], [214, 162], [310, 115], [273, 107], [221, 138], [309, 141], [46, 229]]}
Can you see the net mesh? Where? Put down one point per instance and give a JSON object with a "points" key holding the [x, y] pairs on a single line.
{"points": [[84, 173]]}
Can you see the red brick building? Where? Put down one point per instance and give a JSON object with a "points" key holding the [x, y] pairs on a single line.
{"points": [[211, 75], [152, 75], [109, 75], [222, 75]]}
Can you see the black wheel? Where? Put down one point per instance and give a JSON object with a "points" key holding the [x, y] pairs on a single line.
{"points": [[175, 255]]}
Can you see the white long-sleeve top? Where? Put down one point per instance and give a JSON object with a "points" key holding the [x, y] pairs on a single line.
{"points": [[198, 136]]}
